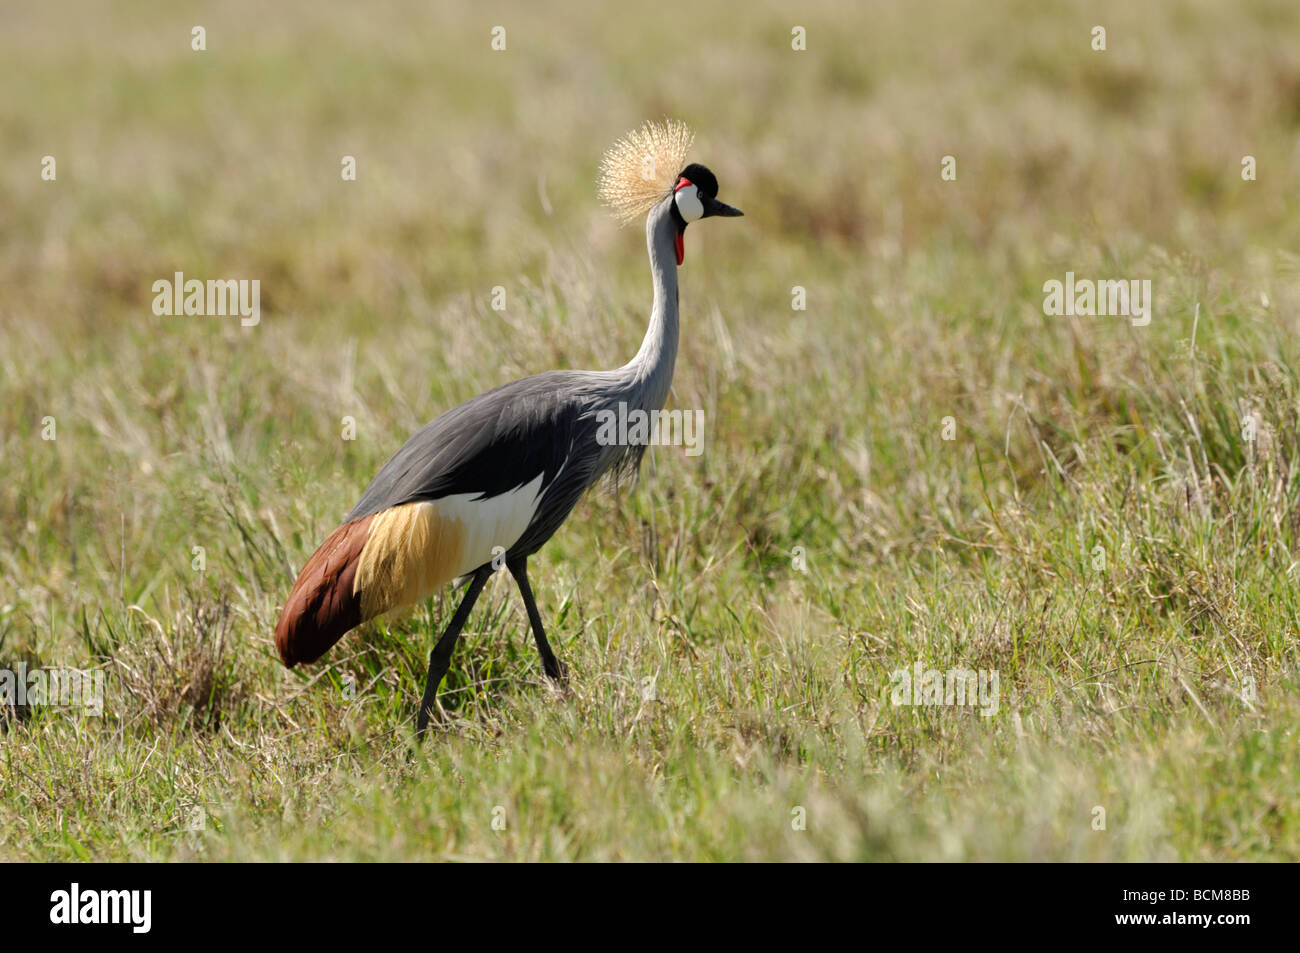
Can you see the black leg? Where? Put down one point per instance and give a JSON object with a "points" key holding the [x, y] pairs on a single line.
{"points": [[554, 669], [440, 657]]}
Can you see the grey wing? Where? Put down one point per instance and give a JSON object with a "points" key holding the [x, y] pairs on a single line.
{"points": [[496, 442]]}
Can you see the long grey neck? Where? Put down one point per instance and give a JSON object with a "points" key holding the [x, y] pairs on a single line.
{"points": [[651, 371]]}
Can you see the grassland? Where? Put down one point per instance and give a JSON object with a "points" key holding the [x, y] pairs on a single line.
{"points": [[1100, 531]]}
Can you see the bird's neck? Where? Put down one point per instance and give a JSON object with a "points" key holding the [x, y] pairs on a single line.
{"points": [[652, 368]]}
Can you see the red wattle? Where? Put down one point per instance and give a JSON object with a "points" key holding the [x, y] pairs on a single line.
{"points": [[681, 249]]}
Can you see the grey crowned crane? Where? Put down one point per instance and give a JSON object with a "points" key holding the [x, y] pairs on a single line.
{"points": [[500, 473]]}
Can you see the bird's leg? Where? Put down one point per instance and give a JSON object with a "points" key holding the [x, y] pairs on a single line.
{"points": [[440, 657], [555, 670]]}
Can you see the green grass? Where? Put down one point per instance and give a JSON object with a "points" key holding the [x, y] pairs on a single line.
{"points": [[1099, 533]]}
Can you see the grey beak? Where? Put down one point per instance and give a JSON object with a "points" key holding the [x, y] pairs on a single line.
{"points": [[722, 209]]}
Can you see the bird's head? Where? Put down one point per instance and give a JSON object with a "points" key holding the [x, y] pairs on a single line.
{"points": [[695, 196], [636, 177]]}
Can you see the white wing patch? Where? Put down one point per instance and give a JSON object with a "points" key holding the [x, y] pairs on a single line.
{"points": [[414, 548], [495, 521]]}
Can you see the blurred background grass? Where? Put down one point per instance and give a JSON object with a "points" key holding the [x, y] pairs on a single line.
{"points": [[1126, 686]]}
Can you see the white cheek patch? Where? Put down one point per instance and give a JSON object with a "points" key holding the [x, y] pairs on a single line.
{"points": [[689, 204]]}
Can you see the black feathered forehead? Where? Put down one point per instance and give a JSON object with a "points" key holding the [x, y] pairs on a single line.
{"points": [[701, 178]]}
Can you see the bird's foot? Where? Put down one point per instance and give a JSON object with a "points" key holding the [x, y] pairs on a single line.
{"points": [[558, 673], [429, 711]]}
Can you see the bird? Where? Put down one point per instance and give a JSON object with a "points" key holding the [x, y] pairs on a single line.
{"points": [[488, 482]]}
